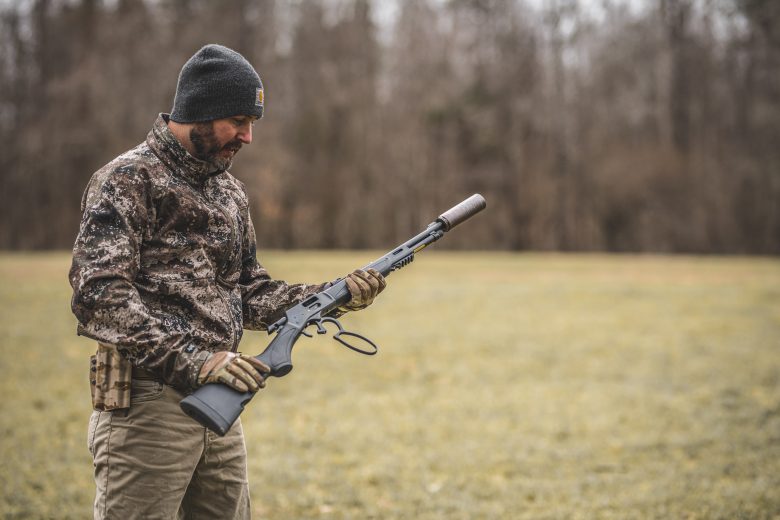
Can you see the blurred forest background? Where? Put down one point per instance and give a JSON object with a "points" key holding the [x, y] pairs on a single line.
{"points": [[588, 125]]}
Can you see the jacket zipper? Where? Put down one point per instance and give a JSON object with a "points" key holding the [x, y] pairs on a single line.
{"points": [[219, 278], [233, 333]]}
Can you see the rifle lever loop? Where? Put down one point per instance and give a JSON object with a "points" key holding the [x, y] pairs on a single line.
{"points": [[341, 332]]}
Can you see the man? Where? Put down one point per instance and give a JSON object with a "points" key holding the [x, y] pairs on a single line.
{"points": [[165, 278]]}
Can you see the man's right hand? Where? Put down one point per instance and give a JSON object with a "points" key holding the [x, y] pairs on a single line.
{"points": [[241, 373]]}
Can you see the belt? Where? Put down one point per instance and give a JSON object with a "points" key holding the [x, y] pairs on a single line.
{"points": [[140, 373]]}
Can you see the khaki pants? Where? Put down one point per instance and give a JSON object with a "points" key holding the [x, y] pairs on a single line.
{"points": [[154, 461]]}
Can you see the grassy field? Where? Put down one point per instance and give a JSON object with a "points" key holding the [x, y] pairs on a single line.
{"points": [[507, 386]]}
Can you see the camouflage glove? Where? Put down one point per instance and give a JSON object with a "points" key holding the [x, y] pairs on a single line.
{"points": [[240, 372], [364, 286]]}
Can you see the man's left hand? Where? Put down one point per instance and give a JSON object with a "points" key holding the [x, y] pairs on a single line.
{"points": [[364, 286]]}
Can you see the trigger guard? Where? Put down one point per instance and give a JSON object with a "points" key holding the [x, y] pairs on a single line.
{"points": [[328, 319], [318, 323]]}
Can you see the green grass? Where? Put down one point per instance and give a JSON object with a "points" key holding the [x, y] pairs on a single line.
{"points": [[507, 386]]}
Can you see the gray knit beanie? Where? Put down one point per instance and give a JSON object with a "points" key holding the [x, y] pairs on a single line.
{"points": [[215, 83]]}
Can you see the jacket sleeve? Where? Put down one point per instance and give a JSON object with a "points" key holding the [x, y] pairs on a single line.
{"points": [[117, 207], [264, 300]]}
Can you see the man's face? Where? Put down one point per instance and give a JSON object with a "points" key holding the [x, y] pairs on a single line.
{"points": [[217, 142]]}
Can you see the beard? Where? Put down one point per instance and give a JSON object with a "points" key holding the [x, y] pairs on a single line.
{"points": [[208, 148]]}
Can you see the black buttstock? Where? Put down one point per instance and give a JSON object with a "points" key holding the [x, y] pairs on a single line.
{"points": [[215, 406]]}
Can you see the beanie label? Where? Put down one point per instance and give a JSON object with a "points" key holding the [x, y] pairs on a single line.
{"points": [[259, 98]]}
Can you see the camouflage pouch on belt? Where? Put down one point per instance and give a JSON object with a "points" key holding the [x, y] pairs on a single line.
{"points": [[109, 379]]}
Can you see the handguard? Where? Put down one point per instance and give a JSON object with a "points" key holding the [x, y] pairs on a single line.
{"points": [[217, 406]]}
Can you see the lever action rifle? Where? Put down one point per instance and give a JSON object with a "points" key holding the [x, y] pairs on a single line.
{"points": [[217, 406]]}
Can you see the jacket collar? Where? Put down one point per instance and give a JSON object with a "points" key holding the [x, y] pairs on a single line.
{"points": [[171, 152]]}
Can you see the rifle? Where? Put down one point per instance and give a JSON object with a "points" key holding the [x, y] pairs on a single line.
{"points": [[217, 406]]}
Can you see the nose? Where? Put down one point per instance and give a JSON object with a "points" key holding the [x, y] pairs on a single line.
{"points": [[245, 133]]}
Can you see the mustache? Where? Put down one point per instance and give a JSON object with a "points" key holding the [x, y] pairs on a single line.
{"points": [[233, 146]]}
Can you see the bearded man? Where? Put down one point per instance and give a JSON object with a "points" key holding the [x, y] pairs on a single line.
{"points": [[165, 278]]}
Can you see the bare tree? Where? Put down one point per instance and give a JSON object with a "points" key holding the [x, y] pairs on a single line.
{"points": [[611, 126]]}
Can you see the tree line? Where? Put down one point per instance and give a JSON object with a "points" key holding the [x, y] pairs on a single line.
{"points": [[587, 127]]}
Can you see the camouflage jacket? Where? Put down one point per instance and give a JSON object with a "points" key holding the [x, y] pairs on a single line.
{"points": [[164, 264]]}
